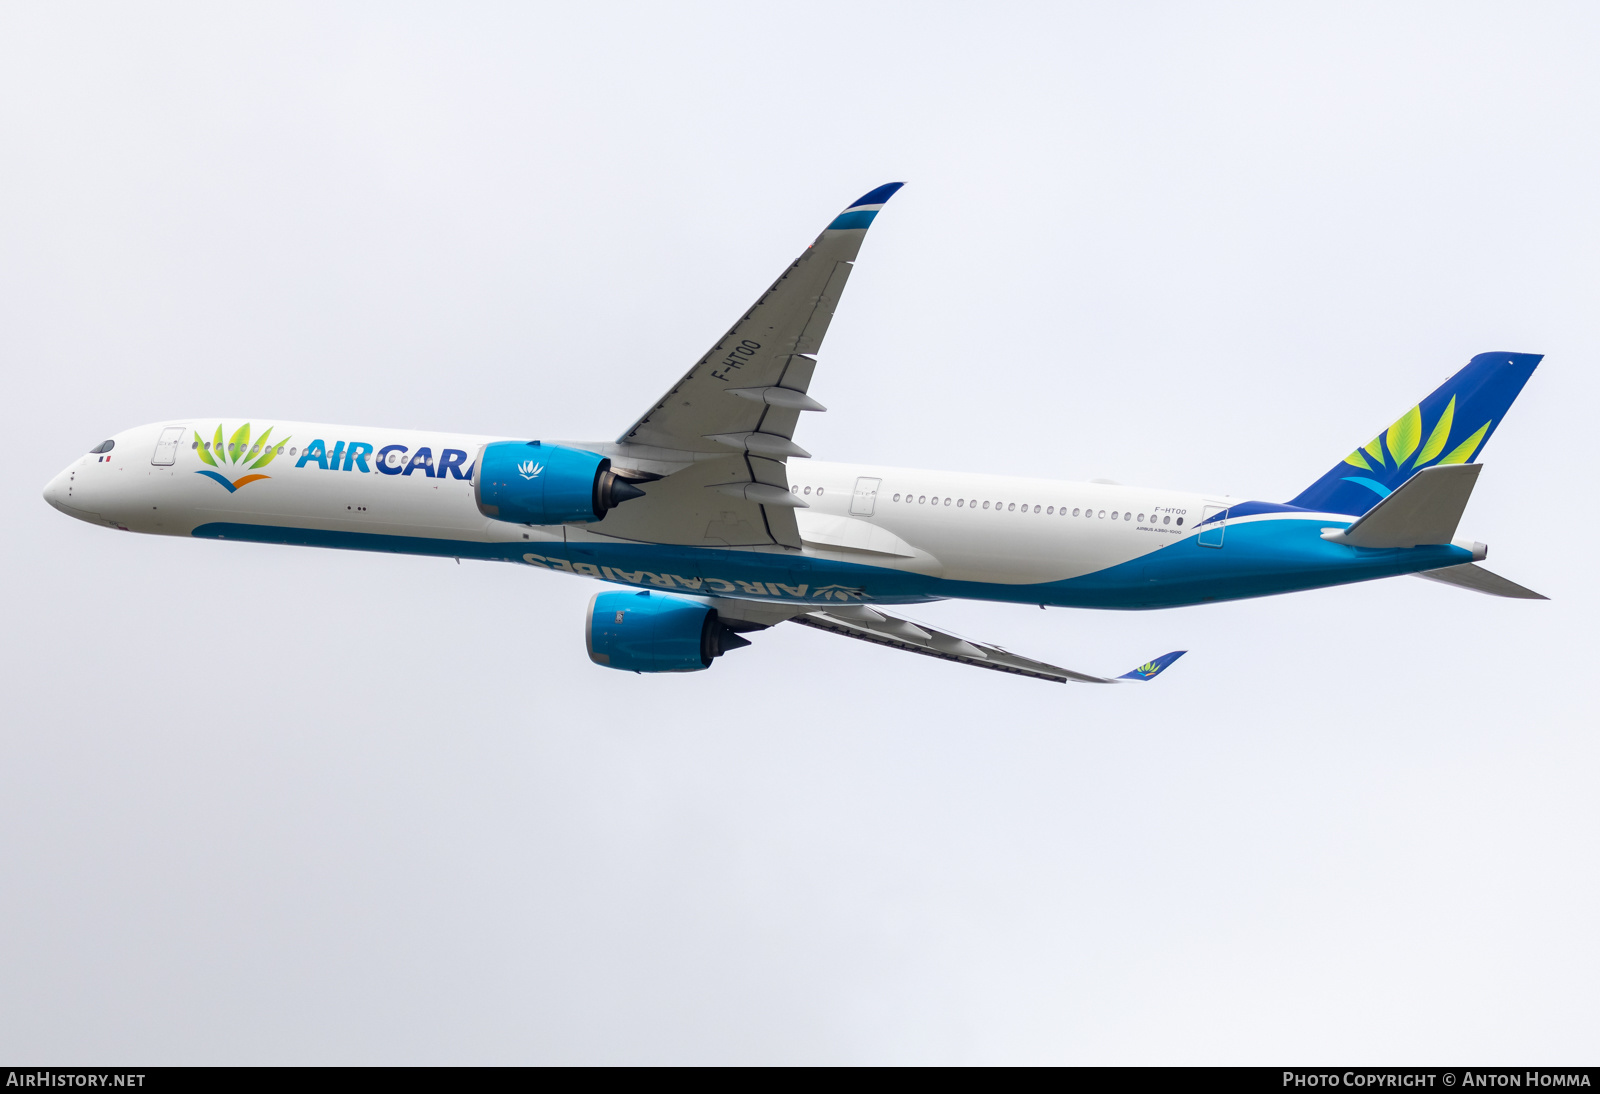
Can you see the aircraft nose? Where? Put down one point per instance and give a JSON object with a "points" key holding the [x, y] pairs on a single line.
{"points": [[60, 494], [55, 491]]}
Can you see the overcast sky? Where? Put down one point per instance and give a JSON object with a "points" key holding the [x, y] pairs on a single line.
{"points": [[273, 805]]}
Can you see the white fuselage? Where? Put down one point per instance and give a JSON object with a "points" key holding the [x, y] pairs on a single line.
{"points": [[954, 525], [884, 533]]}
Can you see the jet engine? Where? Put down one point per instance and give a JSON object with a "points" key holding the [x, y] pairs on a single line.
{"points": [[534, 483], [649, 632]]}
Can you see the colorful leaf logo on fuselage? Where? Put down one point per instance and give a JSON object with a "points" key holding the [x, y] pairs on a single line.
{"points": [[238, 449]]}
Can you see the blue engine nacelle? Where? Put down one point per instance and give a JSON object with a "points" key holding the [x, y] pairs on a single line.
{"points": [[526, 482], [648, 632]]}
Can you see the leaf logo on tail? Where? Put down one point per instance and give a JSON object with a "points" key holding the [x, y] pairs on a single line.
{"points": [[237, 453], [1388, 451]]}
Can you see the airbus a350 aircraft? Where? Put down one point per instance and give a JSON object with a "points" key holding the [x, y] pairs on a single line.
{"points": [[722, 525]]}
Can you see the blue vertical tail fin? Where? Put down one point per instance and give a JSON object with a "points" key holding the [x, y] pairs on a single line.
{"points": [[1450, 426]]}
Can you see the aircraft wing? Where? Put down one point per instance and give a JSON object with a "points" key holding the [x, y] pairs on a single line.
{"points": [[873, 624], [743, 399], [748, 391]]}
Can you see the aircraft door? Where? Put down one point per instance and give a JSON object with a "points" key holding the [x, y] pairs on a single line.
{"points": [[1211, 533], [167, 447], [865, 497]]}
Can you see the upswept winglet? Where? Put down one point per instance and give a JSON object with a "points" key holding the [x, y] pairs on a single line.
{"points": [[860, 212], [1151, 669]]}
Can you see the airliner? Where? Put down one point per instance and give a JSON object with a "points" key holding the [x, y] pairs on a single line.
{"points": [[711, 523]]}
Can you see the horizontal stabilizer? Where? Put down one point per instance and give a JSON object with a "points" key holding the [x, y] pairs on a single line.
{"points": [[1472, 576], [1425, 509], [1151, 669]]}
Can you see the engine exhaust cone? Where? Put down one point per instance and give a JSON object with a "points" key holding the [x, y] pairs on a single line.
{"points": [[611, 491], [717, 638], [622, 491]]}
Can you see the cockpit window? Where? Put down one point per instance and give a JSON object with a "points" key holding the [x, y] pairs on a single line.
{"points": [[103, 446]]}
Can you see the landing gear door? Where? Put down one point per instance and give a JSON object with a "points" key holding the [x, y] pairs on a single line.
{"points": [[167, 447], [865, 497], [1213, 523]]}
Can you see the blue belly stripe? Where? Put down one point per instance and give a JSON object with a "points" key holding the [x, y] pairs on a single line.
{"points": [[1258, 558]]}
